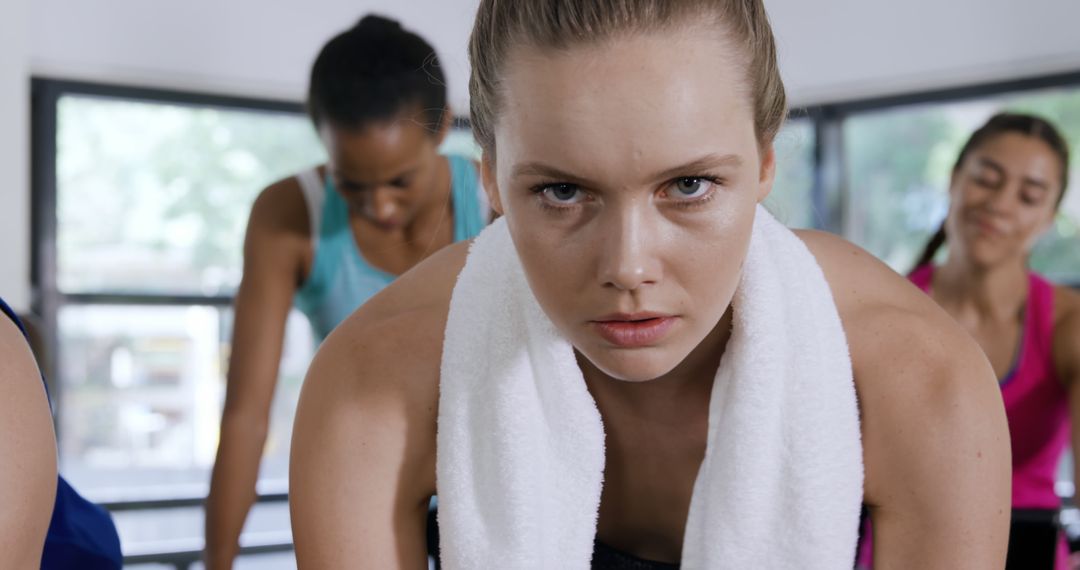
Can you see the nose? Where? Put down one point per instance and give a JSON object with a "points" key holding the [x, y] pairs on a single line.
{"points": [[383, 206], [1006, 199], [628, 257]]}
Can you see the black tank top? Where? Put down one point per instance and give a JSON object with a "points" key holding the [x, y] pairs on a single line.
{"points": [[607, 558]]}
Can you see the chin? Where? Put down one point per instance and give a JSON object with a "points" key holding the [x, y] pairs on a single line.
{"points": [[635, 364]]}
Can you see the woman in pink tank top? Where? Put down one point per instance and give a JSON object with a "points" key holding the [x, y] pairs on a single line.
{"points": [[1005, 189]]}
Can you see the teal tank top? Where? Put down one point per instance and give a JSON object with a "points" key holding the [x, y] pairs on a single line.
{"points": [[341, 279]]}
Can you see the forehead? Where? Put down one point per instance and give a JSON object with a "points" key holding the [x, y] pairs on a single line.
{"points": [[656, 96], [377, 152], [1021, 155]]}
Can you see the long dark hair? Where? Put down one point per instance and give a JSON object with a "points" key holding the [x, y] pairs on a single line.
{"points": [[999, 124]]}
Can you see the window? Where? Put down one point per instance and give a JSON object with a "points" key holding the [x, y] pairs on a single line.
{"points": [[175, 184], [150, 194], [152, 201], [792, 199], [142, 393], [142, 200]]}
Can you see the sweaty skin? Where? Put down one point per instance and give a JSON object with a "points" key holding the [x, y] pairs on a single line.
{"points": [[28, 449], [628, 176]]}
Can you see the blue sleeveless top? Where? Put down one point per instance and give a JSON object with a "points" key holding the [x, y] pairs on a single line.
{"points": [[81, 534], [341, 279]]}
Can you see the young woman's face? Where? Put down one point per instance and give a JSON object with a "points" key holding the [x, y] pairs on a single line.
{"points": [[628, 172], [385, 171], [1003, 198]]}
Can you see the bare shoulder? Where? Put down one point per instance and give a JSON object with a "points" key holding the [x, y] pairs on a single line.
{"points": [[935, 439], [18, 372], [389, 351], [277, 244], [366, 425], [888, 321], [24, 409], [27, 485], [281, 208], [900, 340], [903, 345]]}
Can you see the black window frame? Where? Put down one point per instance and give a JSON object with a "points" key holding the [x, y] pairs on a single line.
{"points": [[47, 299]]}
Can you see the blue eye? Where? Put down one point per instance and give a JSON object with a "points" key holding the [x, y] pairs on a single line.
{"points": [[563, 193], [690, 188]]}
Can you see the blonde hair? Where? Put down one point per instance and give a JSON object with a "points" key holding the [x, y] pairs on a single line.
{"points": [[559, 24]]}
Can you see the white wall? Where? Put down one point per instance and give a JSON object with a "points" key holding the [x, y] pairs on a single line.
{"points": [[248, 47], [835, 50], [830, 49], [14, 159]]}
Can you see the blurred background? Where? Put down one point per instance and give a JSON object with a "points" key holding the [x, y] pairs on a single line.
{"points": [[134, 136]]}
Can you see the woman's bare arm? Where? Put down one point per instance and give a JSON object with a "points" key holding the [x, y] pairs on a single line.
{"points": [[363, 454], [935, 437], [277, 236], [28, 449]]}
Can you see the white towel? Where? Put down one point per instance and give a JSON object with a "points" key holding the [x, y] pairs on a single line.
{"points": [[521, 443]]}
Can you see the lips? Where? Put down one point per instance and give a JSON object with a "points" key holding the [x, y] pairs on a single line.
{"points": [[634, 330], [986, 227]]}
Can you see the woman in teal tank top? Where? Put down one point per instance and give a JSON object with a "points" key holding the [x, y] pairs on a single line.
{"points": [[341, 277], [330, 238]]}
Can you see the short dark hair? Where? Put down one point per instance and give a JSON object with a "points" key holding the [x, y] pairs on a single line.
{"points": [[374, 71]]}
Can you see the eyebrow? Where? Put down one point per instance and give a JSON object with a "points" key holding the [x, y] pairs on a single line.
{"points": [[695, 166]]}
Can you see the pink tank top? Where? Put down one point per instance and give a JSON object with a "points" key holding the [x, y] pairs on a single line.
{"points": [[1036, 405]]}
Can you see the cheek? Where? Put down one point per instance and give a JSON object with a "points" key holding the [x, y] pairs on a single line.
{"points": [[970, 195], [556, 266], [709, 264], [412, 196], [962, 200], [1036, 222]]}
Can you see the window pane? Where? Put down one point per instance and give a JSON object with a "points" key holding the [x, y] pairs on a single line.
{"points": [[791, 200], [899, 162], [154, 197], [142, 391]]}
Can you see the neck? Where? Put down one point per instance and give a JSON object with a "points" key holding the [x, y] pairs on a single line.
{"points": [[435, 210], [981, 292], [673, 397]]}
